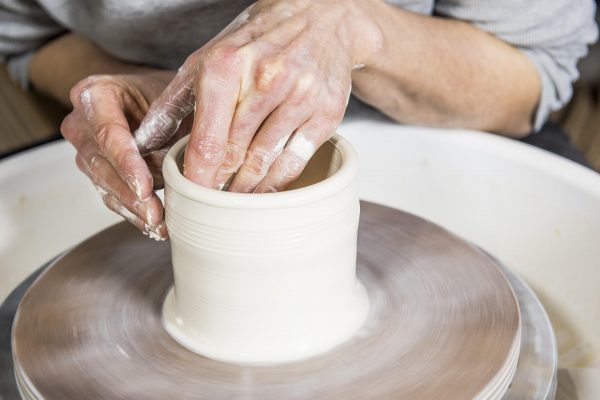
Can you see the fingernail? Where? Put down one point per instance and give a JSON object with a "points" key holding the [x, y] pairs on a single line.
{"points": [[135, 186], [153, 231]]}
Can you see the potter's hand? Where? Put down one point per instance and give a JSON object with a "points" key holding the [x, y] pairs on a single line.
{"points": [[105, 110], [267, 91]]}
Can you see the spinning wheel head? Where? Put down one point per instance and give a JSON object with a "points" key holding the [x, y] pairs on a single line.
{"points": [[444, 323]]}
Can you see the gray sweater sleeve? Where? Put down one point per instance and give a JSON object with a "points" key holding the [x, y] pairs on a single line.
{"points": [[553, 34], [24, 26]]}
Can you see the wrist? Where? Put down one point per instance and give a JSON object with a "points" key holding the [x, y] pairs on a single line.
{"points": [[365, 36]]}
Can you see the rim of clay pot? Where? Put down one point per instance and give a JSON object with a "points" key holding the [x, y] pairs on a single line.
{"points": [[341, 178]]}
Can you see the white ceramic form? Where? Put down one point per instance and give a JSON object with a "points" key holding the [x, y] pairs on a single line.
{"points": [[265, 278]]}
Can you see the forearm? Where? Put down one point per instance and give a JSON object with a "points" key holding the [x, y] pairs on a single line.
{"points": [[61, 63], [447, 73]]}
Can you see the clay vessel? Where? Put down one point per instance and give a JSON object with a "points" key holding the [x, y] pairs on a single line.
{"points": [[265, 278]]}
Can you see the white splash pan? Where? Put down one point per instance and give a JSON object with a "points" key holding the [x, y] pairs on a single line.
{"points": [[537, 212]]}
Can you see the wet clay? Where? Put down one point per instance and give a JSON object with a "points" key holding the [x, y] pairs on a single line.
{"points": [[265, 278]]}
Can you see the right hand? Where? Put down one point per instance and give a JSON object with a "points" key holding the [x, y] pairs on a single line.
{"points": [[106, 110]]}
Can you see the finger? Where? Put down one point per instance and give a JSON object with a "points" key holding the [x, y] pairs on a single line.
{"points": [[104, 112], [250, 114], [107, 182], [166, 112], [293, 159], [113, 203], [74, 130], [155, 160], [217, 91], [103, 175], [268, 143]]}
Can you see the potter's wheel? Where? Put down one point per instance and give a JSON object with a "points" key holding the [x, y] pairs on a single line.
{"points": [[444, 324]]}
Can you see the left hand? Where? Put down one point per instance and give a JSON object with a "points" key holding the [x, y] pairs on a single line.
{"points": [[105, 110], [267, 91]]}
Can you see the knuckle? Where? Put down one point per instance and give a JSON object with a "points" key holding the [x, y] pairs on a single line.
{"points": [[259, 161], [256, 105], [82, 87], [245, 124], [95, 163], [192, 60], [209, 150], [269, 74], [75, 92], [220, 57], [104, 133], [94, 169], [101, 135], [222, 51], [291, 165], [126, 158], [306, 84], [233, 157], [67, 127]]}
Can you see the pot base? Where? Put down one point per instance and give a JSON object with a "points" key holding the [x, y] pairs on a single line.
{"points": [[339, 328]]}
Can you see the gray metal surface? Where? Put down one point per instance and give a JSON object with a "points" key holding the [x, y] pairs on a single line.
{"points": [[8, 308], [526, 381], [538, 361]]}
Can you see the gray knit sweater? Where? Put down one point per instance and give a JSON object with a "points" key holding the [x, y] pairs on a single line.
{"points": [[553, 33]]}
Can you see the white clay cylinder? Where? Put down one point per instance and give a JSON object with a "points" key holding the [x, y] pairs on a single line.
{"points": [[265, 278]]}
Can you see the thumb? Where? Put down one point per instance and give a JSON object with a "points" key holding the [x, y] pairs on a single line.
{"points": [[165, 114]]}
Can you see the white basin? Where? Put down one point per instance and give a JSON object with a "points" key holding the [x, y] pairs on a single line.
{"points": [[537, 212]]}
